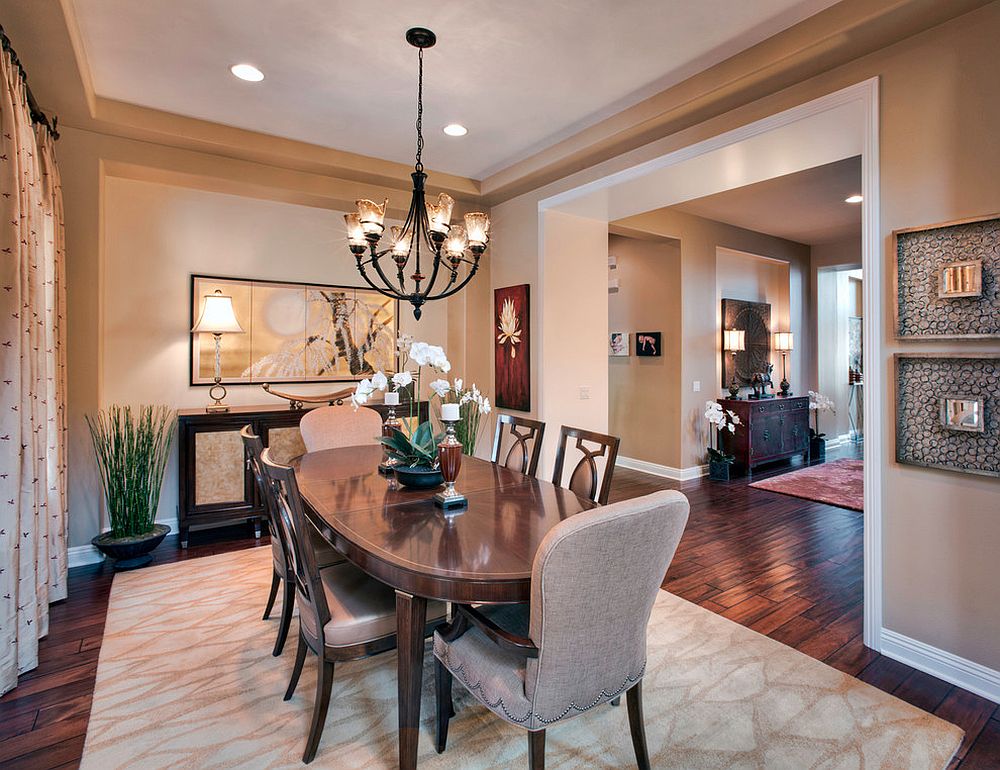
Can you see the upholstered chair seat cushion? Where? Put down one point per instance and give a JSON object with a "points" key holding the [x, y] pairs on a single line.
{"points": [[494, 675], [361, 608], [326, 554]]}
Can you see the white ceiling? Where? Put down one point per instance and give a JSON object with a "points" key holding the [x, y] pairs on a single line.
{"points": [[520, 74], [807, 206]]}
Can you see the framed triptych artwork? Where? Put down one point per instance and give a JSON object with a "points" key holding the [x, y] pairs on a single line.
{"points": [[512, 347], [295, 332]]}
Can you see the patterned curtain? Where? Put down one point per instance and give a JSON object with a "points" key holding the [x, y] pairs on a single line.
{"points": [[33, 386]]}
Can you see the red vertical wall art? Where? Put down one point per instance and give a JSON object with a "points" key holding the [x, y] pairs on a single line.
{"points": [[512, 348]]}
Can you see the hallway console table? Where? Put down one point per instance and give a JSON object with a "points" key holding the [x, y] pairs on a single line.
{"points": [[216, 486], [771, 429]]}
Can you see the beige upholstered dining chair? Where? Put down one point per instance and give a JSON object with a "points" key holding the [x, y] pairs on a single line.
{"points": [[343, 613], [331, 427], [584, 478], [326, 554], [593, 583], [522, 451]]}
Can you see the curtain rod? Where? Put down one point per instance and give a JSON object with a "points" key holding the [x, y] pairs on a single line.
{"points": [[37, 116]]}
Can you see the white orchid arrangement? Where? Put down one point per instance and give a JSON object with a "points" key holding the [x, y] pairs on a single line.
{"points": [[472, 405], [819, 403], [722, 420]]}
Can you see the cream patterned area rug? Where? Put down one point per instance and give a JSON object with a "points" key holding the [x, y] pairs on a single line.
{"points": [[186, 680]]}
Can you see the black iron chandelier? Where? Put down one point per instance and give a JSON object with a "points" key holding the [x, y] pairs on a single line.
{"points": [[427, 232]]}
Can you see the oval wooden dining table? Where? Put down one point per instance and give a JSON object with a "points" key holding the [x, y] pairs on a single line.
{"points": [[480, 554]]}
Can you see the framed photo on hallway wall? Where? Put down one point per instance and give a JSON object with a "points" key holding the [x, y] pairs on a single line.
{"points": [[512, 347], [648, 343]]}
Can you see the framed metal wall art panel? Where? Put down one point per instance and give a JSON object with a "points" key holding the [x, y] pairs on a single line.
{"points": [[295, 332], [947, 280], [948, 412], [754, 318]]}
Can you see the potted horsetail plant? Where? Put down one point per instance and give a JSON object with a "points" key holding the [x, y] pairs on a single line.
{"points": [[132, 446]]}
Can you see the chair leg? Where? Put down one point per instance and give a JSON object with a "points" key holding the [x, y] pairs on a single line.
{"points": [[635, 721], [324, 682], [287, 605], [300, 659], [275, 580], [445, 707], [536, 750]]}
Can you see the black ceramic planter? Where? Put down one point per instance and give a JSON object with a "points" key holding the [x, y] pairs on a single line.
{"points": [[416, 477], [130, 552], [718, 470], [817, 450]]}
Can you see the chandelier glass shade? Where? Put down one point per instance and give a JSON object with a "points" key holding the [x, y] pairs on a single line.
{"points": [[428, 257]]}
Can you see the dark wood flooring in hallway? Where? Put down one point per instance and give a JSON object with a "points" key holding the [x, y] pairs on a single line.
{"points": [[788, 568]]}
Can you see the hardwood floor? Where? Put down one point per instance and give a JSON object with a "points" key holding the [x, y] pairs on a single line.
{"points": [[788, 568]]}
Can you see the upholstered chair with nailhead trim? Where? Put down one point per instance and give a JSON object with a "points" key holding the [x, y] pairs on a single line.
{"points": [[582, 640]]}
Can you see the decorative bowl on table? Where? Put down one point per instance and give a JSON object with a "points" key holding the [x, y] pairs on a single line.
{"points": [[419, 477]]}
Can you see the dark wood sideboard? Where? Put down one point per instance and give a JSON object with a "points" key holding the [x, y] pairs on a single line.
{"points": [[216, 486], [772, 429]]}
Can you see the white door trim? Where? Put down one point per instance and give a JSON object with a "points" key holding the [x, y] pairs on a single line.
{"points": [[874, 366]]}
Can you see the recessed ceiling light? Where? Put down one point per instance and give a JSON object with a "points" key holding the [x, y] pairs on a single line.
{"points": [[247, 72], [853, 199], [455, 129]]}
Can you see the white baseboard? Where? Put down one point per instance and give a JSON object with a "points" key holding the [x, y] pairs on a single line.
{"points": [[839, 441], [81, 555], [676, 474], [964, 673]]}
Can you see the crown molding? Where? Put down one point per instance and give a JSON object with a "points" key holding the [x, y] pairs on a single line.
{"points": [[836, 36]]}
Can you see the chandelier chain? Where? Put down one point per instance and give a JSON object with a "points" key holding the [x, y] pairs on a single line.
{"points": [[420, 109]]}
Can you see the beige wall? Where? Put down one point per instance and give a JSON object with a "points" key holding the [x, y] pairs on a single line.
{"points": [[644, 393], [701, 283], [940, 104]]}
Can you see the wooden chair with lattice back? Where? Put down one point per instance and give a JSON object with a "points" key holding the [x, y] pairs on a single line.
{"points": [[522, 454], [584, 478], [344, 614]]}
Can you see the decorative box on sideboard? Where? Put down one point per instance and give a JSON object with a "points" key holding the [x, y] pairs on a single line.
{"points": [[772, 429], [216, 485]]}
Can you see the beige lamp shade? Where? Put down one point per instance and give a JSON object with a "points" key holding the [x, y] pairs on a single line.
{"points": [[217, 315], [734, 339], [783, 341]]}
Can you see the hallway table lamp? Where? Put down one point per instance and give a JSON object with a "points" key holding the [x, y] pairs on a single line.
{"points": [[784, 344], [217, 318], [734, 341]]}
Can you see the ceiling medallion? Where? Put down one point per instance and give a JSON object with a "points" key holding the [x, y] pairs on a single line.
{"points": [[426, 234]]}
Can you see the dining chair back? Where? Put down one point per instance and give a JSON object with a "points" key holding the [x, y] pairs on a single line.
{"points": [[314, 613], [332, 427], [522, 453], [594, 581], [254, 446], [584, 478], [593, 584]]}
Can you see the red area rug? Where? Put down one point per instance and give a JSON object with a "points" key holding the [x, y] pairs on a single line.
{"points": [[840, 482]]}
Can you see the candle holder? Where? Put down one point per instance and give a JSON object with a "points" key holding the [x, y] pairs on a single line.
{"points": [[450, 456], [391, 424]]}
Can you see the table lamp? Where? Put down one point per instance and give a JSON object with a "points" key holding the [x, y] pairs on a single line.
{"points": [[734, 341], [784, 344], [217, 318]]}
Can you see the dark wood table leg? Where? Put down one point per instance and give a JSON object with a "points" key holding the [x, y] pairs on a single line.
{"points": [[411, 620]]}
